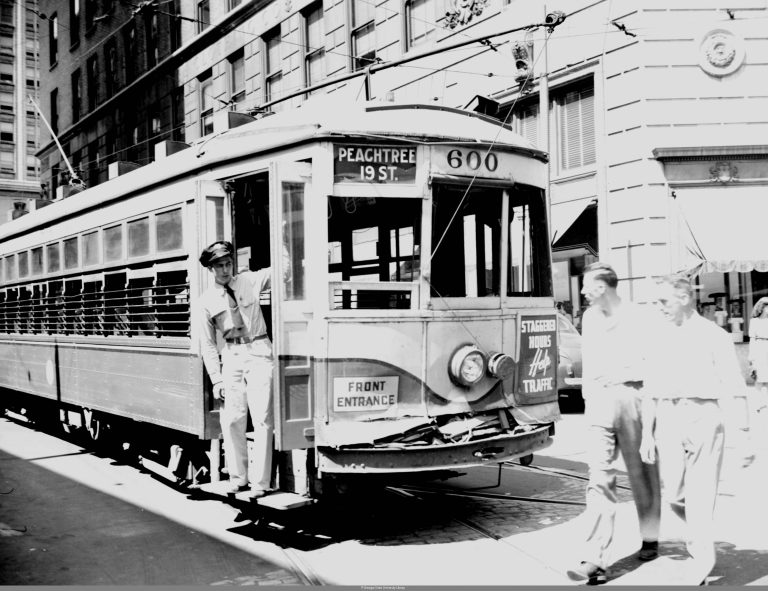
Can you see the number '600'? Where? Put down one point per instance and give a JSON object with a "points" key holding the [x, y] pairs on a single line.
{"points": [[473, 160]]}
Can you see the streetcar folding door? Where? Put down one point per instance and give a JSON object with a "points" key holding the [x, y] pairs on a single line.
{"points": [[291, 310]]}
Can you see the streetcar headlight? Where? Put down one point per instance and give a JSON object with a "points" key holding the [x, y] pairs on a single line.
{"points": [[467, 365], [501, 366]]}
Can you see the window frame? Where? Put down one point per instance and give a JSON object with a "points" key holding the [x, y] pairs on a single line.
{"points": [[272, 76]]}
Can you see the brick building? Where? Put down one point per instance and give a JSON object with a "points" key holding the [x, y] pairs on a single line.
{"points": [[19, 167]]}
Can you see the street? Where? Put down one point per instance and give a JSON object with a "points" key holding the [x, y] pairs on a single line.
{"points": [[68, 516]]}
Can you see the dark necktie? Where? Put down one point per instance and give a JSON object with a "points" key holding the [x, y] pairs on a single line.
{"points": [[237, 319]]}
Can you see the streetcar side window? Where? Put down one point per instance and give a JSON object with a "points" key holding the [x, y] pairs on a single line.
{"points": [[528, 272], [169, 230], [23, 264], [293, 236], [53, 259], [37, 260]]}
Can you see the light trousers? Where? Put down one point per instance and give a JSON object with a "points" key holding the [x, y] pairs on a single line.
{"points": [[614, 426], [689, 442], [247, 372]]}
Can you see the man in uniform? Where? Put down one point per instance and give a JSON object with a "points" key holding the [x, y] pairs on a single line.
{"points": [[243, 378], [613, 354]]}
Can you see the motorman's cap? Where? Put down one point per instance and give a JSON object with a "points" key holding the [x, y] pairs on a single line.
{"points": [[216, 251]]}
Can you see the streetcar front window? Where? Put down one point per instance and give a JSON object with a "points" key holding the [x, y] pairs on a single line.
{"points": [[466, 242], [373, 240]]}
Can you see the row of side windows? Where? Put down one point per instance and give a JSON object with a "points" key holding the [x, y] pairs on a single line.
{"points": [[113, 304], [159, 233]]}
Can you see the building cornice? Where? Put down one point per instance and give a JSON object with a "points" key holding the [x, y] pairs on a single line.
{"points": [[704, 153]]}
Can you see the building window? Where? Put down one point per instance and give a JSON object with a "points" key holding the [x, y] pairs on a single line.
{"points": [[423, 18], [153, 51], [203, 15], [526, 122], [111, 80], [314, 49], [234, 3], [576, 127], [90, 13], [237, 77], [177, 114], [363, 34], [93, 82], [174, 24], [6, 131], [74, 22], [205, 82], [6, 45], [273, 73], [53, 36], [6, 13], [55, 110], [131, 54], [76, 93]]}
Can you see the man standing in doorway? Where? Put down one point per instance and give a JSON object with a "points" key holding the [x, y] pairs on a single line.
{"points": [[243, 378], [692, 370], [613, 354]]}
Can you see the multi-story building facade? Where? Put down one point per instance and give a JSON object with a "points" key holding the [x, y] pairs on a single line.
{"points": [[19, 167], [654, 122]]}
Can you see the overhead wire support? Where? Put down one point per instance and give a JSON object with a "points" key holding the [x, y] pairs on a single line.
{"points": [[74, 179], [623, 28], [552, 20]]}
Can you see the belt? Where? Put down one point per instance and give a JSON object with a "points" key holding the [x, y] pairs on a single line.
{"points": [[245, 340]]}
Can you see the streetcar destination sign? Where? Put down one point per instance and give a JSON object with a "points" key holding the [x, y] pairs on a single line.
{"points": [[364, 393], [374, 164]]}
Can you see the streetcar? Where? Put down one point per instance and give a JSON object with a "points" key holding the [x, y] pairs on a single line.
{"points": [[411, 314]]}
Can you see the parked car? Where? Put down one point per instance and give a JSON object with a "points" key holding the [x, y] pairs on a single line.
{"points": [[568, 359]]}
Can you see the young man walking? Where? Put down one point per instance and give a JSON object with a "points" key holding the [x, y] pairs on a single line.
{"points": [[613, 357]]}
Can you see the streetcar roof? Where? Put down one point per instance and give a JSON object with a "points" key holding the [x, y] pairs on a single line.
{"points": [[320, 119]]}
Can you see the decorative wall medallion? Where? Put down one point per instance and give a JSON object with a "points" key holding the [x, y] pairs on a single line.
{"points": [[463, 11], [721, 52], [723, 172]]}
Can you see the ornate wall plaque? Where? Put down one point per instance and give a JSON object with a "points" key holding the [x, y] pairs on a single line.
{"points": [[721, 52], [463, 11]]}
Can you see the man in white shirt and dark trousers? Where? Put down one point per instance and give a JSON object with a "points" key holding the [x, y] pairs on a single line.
{"points": [[243, 377], [692, 370], [613, 354]]}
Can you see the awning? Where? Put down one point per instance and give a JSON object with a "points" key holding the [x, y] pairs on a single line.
{"points": [[722, 229], [563, 216], [580, 237]]}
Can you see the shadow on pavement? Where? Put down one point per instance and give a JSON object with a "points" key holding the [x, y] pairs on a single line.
{"points": [[734, 566]]}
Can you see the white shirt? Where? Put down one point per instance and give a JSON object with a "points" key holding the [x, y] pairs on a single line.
{"points": [[613, 347], [694, 360]]}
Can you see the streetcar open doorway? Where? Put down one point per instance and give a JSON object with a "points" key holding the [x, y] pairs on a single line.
{"points": [[250, 228]]}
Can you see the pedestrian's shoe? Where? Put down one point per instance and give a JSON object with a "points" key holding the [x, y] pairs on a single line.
{"points": [[236, 487], [648, 551], [586, 571]]}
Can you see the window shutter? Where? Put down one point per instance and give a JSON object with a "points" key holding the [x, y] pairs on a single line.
{"points": [[577, 129]]}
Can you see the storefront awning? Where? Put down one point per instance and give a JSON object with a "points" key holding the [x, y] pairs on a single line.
{"points": [[722, 228], [563, 216], [581, 233]]}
